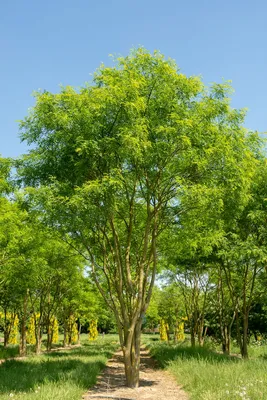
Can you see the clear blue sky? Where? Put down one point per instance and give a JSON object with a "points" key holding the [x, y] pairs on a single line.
{"points": [[47, 43]]}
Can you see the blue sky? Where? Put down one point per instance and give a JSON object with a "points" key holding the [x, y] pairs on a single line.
{"points": [[47, 43]]}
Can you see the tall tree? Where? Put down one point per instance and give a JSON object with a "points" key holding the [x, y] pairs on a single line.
{"points": [[117, 158]]}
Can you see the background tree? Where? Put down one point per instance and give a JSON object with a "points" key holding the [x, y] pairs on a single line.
{"points": [[152, 317]]}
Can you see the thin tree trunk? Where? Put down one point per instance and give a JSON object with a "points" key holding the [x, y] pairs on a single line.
{"points": [[22, 348], [201, 332], [238, 335], [228, 342], [193, 339], [38, 338], [228, 336], [176, 330], [49, 334], [79, 331], [23, 344], [193, 329], [65, 333], [6, 330], [244, 351]]}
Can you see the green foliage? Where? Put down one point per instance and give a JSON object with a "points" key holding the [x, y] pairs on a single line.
{"points": [[140, 170], [171, 305], [152, 317]]}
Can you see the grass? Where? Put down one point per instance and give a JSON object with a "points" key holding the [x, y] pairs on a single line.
{"points": [[63, 374], [67, 374], [9, 352], [207, 375]]}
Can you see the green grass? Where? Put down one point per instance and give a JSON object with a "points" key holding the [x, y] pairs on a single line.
{"points": [[9, 352], [59, 375], [207, 375]]}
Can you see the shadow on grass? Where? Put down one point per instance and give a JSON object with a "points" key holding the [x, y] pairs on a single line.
{"points": [[81, 367], [263, 357], [9, 352], [90, 350], [164, 353]]}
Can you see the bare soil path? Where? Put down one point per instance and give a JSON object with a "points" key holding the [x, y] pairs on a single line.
{"points": [[155, 384]]}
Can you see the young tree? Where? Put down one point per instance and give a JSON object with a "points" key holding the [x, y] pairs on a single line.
{"points": [[117, 157], [171, 309], [152, 317]]}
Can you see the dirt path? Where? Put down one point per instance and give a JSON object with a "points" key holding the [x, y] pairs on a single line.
{"points": [[155, 384]]}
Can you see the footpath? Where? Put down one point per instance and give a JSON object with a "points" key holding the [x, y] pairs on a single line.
{"points": [[155, 384]]}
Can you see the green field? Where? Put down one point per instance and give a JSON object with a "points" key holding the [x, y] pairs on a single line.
{"points": [[207, 375], [59, 375]]}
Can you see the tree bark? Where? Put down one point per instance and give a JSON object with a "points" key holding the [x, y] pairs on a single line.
{"points": [[193, 338], [79, 331], [23, 344], [38, 338], [201, 332], [22, 348], [131, 354], [176, 330], [193, 329], [244, 341], [6, 337], [49, 334], [6, 330], [65, 333]]}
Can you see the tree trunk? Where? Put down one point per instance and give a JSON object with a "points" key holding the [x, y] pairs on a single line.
{"points": [[49, 334], [23, 343], [201, 332], [38, 338], [228, 342], [176, 330], [65, 333], [79, 331], [131, 353], [193, 331], [238, 335], [244, 351], [227, 330], [6, 330], [168, 333], [193, 338], [49, 341], [6, 337], [22, 347]]}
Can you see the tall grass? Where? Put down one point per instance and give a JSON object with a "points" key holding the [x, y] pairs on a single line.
{"points": [[207, 375], [59, 375]]}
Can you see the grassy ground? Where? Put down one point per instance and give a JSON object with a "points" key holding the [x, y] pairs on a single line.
{"points": [[64, 374], [67, 374], [207, 375], [10, 351]]}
